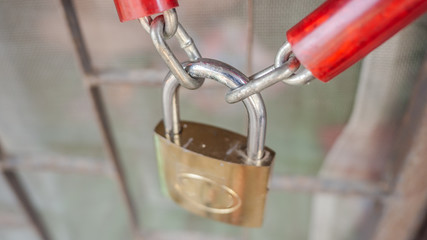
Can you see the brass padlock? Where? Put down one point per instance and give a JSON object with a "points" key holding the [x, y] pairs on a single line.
{"points": [[210, 171]]}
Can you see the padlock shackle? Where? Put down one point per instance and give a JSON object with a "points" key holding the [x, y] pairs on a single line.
{"points": [[230, 77]]}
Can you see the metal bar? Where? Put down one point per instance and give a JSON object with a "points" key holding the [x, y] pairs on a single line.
{"points": [[113, 154], [336, 186], [304, 184], [100, 111], [422, 230], [78, 40], [24, 200], [404, 211], [135, 77], [57, 164]]}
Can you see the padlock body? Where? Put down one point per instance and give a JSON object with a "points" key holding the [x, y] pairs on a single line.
{"points": [[205, 170]]}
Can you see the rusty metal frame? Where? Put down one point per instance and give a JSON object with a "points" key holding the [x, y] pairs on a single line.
{"points": [[16, 185], [56, 163], [93, 80], [99, 108]]}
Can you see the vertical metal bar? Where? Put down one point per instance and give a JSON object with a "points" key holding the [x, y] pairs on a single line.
{"points": [[422, 230], [23, 198], [78, 40], [100, 111], [404, 211], [110, 145]]}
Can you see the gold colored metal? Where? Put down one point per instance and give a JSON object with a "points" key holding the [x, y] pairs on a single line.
{"points": [[206, 172]]}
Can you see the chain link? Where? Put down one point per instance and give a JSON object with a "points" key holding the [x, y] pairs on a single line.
{"points": [[171, 23], [166, 26], [282, 55], [158, 29], [284, 69], [267, 78]]}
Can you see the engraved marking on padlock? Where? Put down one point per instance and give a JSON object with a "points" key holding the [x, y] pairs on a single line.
{"points": [[208, 195], [173, 161]]}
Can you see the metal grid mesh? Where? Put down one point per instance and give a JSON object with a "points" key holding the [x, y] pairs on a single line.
{"points": [[81, 212]]}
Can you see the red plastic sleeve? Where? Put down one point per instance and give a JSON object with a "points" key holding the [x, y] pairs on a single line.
{"points": [[134, 9], [341, 32]]}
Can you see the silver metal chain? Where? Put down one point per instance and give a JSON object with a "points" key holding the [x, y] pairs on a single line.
{"points": [[171, 23], [158, 31], [284, 68], [166, 26]]}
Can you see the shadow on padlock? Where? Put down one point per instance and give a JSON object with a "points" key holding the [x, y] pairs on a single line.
{"points": [[210, 171]]}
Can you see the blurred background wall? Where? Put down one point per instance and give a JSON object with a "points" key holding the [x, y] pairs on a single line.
{"points": [[44, 109]]}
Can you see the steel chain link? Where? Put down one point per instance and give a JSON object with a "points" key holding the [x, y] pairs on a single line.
{"points": [[166, 26]]}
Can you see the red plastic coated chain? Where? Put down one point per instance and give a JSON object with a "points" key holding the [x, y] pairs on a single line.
{"points": [[341, 32], [134, 9]]}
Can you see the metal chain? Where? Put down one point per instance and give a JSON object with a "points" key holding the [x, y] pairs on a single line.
{"points": [[284, 69], [158, 29], [166, 26], [171, 23]]}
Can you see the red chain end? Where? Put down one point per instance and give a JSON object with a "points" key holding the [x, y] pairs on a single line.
{"points": [[134, 9]]}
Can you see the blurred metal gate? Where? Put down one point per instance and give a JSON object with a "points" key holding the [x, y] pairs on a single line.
{"points": [[397, 195]]}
